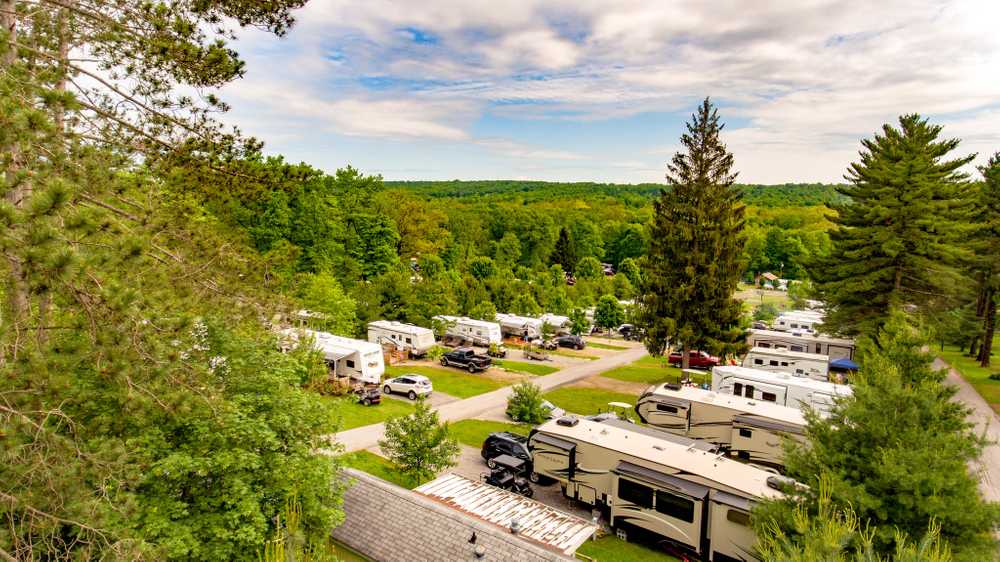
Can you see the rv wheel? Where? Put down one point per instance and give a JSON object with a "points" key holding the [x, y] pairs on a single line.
{"points": [[412, 395], [535, 477], [491, 463]]}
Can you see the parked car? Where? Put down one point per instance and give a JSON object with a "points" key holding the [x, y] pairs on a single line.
{"points": [[697, 360], [512, 444], [466, 358], [553, 411], [409, 384], [758, 325], [569, 340]]}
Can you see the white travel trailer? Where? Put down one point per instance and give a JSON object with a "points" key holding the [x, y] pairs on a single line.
{"points": [[747, 429], [780, 388], [561, 324], [415, 339], [519, 326], [692, 497], [795, 363], [797, 321], [346, 357], [477, 332], [834, 348]]}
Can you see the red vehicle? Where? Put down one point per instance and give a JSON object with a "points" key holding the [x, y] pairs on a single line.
{"points": [[697, 360]]}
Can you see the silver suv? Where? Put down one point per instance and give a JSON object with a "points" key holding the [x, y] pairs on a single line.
{"points": [[409, 384]]}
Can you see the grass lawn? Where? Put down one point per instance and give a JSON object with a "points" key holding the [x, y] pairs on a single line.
{"points": [[367, 461], [523, 367], [612, 549], [975, 375], [450, 381], [354, 415], [652, 370], [605, 346], [474, 432], [586, 401]]}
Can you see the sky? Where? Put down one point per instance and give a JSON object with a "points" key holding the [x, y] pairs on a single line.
{"points": [[588, 90]]}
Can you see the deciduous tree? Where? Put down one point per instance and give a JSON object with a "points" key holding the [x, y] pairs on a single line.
{"points": [[419, 444]]}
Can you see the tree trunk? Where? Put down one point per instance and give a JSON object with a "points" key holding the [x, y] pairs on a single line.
{"points": [[989, 327], [685, 358]]}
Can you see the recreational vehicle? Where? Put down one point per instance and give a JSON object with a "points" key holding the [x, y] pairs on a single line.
{"points": [[747, 429], [415, 339], [519, 326], [477, 332], [779, 388], [648, 485], [834, 348], [561, 324], [346, 357], [797, 321], [795, 363]]}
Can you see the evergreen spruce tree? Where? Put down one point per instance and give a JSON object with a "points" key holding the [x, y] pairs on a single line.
{"points": [[986, 260], [897, 240], [563, 253], [696, 247]]}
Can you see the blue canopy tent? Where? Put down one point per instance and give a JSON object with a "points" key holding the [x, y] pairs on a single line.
{"points": [[843, 365]]}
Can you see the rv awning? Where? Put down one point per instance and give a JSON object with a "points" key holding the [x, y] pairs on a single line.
{"points": [[763, 423], [844, 365], [732, 500], [670, 401], [554, 441], [686, 487]]}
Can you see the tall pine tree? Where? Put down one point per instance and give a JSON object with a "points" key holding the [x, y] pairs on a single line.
{"points": [[897, 239], [696, 248], [563, 253], [986, 246]]}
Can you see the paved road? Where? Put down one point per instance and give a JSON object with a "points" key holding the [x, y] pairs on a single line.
{"points": [[988, 424], [368, 436]]}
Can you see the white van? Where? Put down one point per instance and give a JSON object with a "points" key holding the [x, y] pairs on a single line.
{"points": [[780, 388], [415, 339]]}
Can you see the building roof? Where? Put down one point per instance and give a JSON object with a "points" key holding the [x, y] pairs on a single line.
{"points": [[391, 524], [740, 404], [726, 472], [548, 526], [400, 327], [769, 276]]}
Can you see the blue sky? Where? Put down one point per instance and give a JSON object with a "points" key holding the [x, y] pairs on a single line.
{"points": [[598, 91]]}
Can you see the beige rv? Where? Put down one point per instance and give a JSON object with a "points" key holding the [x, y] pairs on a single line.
{"points": [[821, 344], [697, 499], [747, 429]]}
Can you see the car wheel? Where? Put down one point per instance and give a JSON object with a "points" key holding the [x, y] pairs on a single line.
{"points": [[527, 492], [472, 368], [386, 390], [444, 361], [412, 395], [491, 463], [535, 477], [366, 402], [579, 347]]}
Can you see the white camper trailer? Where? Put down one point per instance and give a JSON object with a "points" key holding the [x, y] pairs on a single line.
{"points": [[834, 348], [747, 429], [477, 332], [797, 321], [520, 326], [412, 338], [692, 497], [561, 324], [346, 357], [780, 388], [795, 363]]}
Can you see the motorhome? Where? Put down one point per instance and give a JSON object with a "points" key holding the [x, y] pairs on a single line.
{"points": [[834, 348], [747, 429], [796, 363], [476, 332], [779, 388], [798, 321], [561, 324], [415, 339], [692, 497], [345, 357], [520, 326]]}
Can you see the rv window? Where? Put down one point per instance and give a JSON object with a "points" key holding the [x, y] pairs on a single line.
{"points": [[408, 340], [738, 388], [748, 391], [819, 348], [675, 506], [763, 345], [768, 397], [799, 372], [350, 364], [797, 348], [784, 363], [758, 361], [795, 325], [746, 432], [773, 362], [636, 493], [738, 517], [666, 408]]}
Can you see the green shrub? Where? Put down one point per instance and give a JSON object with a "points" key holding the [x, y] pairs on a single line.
{"points": [[525, 403]]}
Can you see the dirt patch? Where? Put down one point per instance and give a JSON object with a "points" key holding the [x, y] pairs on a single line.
{"points": [[605, 383]]}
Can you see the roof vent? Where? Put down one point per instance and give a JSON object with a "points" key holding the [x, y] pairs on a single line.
{"points": [[568, 421], [672, 386]]}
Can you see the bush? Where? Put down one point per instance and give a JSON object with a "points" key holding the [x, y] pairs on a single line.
{"points": [[525, 404], [435, 352], [765, 312]]}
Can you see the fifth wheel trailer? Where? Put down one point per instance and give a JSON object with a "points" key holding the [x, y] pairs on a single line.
{"points": [[694, 498], [415, 339], [520, 326], [780, 388], [476, 332], [747, 429], [810, 365], [834, 348]]}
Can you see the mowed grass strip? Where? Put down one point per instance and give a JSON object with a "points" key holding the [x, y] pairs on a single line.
{"points": [[653, 370], [474, 432], [367, 461], [612, 549], [600, 345], [513, 349], [585, 400], [975, 375], [452, 382], [353, 415], [523, 367]]}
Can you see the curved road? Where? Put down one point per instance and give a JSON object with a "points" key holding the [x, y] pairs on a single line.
{"points": [[368, 436]]}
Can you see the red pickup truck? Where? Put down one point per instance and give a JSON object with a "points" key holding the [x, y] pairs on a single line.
{"points": [[697, 360]]}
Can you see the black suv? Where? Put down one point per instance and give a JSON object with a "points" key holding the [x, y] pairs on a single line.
{"points": [[576, 342], [505, 443]]}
